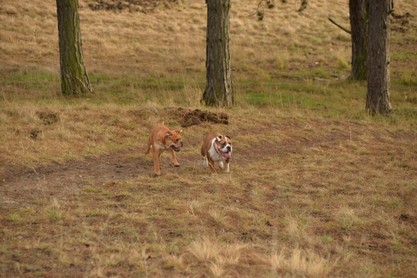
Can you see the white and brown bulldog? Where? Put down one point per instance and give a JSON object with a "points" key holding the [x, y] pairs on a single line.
{"points": [[217, 148], [160, 140]]}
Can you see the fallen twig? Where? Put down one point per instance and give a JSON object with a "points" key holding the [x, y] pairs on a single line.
{"points": [[340, 26]]}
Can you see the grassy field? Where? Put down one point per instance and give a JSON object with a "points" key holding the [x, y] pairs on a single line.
{"points": [[318, 188]]}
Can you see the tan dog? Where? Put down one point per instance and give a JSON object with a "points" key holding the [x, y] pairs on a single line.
{"points": [[217, 148], [160, 140]]}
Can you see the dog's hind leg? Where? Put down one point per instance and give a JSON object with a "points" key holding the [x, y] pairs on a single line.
{"points": [[148, 150], [205, 162]]}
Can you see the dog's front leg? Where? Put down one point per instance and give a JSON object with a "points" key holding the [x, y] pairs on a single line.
{"points": [[212, 168], [155, 156], [174, 158], [226, 167]]}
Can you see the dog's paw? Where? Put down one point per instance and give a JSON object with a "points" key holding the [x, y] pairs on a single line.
{"points": [[156, 174]]}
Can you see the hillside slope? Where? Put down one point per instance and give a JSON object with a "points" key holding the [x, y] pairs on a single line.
{"points": [[317, 187]]}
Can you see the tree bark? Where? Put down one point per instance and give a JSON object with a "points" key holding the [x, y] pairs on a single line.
{"points": [[74, 78], [358, 10], [219, 87], [378, 95]]}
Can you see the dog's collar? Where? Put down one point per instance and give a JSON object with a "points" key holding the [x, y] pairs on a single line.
{"points": [[163, 140]]}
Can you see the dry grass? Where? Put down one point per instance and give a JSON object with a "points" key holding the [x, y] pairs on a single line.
{"points": [[300, 263], [317, 188], [334, 205]]}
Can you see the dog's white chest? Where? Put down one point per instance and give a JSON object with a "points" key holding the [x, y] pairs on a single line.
{"points": [[215, 156]]}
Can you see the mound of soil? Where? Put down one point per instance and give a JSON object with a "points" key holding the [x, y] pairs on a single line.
{"points": [[197, 117], [187, 117], [143, 6]]}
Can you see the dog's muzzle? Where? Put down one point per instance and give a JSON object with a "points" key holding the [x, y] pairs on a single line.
{"points": [[176, 148]]}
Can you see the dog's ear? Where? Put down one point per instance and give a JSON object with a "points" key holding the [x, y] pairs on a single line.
{"points": [[168, 133], [219, 138], [228, 137]]}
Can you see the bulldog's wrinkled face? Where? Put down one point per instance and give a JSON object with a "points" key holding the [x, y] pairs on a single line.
{"points": [[173, 140], [224, 146]]}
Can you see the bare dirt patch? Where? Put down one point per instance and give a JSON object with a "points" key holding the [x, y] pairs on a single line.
{"points": [[401, 22], [21, 185], [48, 117], [189, 117], [197, 116], [143, 6]]}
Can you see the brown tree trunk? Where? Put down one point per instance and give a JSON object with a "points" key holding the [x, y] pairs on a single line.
{"points": [[358, 10], [378, 95], [74, 78], [219, 88]]}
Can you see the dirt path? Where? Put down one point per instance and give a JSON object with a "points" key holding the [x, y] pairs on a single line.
{"points": [[19, 186], [23, 185]]}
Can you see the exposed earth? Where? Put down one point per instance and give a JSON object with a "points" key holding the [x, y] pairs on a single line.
{"points": [[144, 6], [20, 185]]}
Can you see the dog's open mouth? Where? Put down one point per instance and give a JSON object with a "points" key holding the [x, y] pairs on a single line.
{"points": [[226, 155], [175, 148]]}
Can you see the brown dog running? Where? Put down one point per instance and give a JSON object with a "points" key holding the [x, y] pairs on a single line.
{"points": [[217, 148], [160, 140]]}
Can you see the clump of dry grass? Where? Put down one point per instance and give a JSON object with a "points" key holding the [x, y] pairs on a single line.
{"points": [[219, 258], [347, 218], [302, 263]]}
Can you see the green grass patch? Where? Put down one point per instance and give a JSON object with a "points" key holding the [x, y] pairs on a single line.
{"points": [[407, 79], [340, 99], [306, 91], [29, 79], [404, 56], [55, 214], [33, 84]]}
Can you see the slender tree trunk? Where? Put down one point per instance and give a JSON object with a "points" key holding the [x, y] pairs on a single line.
{"points": [[219, 87], [358, 10], [74, 78], [378, 96]]}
